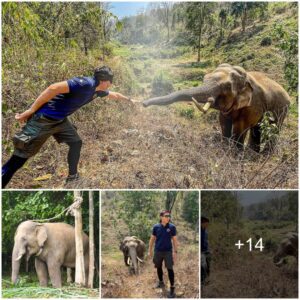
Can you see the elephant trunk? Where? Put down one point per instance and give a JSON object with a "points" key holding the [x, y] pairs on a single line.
{"points": [[199, 94], [134, 260], [16, 262]]}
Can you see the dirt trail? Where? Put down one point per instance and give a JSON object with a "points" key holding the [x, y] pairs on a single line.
{"points": [[133, 147], [116, 282]]}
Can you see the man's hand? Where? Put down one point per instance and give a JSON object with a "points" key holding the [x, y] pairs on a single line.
{"points": [[150, 254], [135, 101], [23, 117]]}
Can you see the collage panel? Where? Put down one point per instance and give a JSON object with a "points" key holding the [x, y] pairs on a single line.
{"points": [[249, 244], [150, 244], [39, 232]]}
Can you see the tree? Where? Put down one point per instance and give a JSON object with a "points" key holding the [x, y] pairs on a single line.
{"points": [[197, 13], [223, 20], [91, 240], [170, 201], [244, 10], [79, 268], [165, 13]]}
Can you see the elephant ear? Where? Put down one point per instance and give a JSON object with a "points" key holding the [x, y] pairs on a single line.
{"points": [[242, 87], [140, 247], [41, 235]]}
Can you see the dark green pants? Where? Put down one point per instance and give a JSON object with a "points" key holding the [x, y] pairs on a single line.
{"points": [[160, 256], [38, 129]]}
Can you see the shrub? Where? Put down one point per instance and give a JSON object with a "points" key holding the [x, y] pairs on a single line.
{"points": [[161, 85], [266, 41]]}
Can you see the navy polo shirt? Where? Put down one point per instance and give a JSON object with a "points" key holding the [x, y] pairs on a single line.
{"points": [[204, 240], [82, 91], [163, 236]]}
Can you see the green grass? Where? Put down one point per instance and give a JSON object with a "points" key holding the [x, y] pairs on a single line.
{"points": [[28, 287]]}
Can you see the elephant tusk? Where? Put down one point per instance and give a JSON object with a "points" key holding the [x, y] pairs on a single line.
{"points": [[40, 251], [19, 257], [128, 261], [140, 260], [207, 105], [279, 263]]}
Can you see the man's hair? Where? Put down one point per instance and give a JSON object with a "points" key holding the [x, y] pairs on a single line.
{"points": [[204, 220], [103, 74], [163, 212]]}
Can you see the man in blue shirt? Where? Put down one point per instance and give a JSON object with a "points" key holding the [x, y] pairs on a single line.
{"points": [[205, 254], [164, 235], [47, 117]]}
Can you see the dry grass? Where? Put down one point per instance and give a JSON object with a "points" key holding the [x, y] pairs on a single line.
{"points": [[252, 276], [132, 147]]}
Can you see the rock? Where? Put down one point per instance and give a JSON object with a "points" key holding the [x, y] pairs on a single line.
{"points": [[135, 153], [130, 131], [117, 143], [192, 170]]}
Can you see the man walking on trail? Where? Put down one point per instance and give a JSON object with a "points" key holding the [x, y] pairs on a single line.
{"points": [[47, 116], [205, 254], [164, 235]]}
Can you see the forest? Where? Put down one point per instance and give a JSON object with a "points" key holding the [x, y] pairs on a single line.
{"points": [[164, 48], [242, 273], [134, 213], [41, 206]]}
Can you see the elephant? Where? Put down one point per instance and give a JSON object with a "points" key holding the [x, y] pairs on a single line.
{"points": [[133, 251], [287, 247], [53, 245], [242, 99]]}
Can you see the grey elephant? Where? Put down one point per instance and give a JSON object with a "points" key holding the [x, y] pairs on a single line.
{"points": [[133, 250], [287, 247], [242, 99], [52, 244]]}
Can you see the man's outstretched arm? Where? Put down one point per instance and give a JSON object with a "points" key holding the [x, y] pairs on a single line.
{"points": [[151, 243], [48, 94], [117, 96]]}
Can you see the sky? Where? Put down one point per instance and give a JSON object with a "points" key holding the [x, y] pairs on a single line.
{"points": [[250, 197], [124, 9]]}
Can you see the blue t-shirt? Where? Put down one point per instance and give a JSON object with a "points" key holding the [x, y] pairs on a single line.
{"points": [[82, 91], [163, 236], [204, 240]]}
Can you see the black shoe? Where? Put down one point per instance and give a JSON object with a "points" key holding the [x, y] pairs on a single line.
{"points": [[171, 293], [73, 178], [160, 285]]}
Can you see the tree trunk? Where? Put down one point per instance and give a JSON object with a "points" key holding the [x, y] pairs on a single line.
{"points": [[91, 241], [79, 268], [199, 44]]}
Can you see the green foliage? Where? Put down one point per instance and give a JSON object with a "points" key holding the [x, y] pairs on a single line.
{"points": [[221, 206], [288, 44], [161, 85], [188, 113], [190, 208], [280, 209], [269, 129], [140, 211]]}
